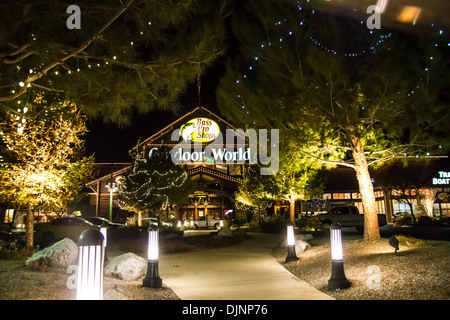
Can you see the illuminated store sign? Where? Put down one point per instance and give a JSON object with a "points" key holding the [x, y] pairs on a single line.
{"points": [[444, 178], [200, 130], [240, 146], [216, 155]]}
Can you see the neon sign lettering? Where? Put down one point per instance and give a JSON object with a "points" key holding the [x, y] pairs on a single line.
{"points": [[444, 178]]}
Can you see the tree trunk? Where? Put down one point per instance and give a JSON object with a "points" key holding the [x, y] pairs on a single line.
{"points": [[139, 219], [371, 228], [292, 208], [30, 227]]}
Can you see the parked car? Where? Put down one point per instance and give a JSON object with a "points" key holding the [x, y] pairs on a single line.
{"points": [[154, 221], [99, 221], [7, 240], [61, 228], [347, 216], [207, 222]]}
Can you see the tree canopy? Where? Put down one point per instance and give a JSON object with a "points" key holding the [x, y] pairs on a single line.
{"points": [[41, 156], [126, 55], [340, 93]]}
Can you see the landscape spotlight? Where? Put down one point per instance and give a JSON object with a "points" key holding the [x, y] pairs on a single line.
{"points": [[152, 278], [291, 256], [338, 279], [90, 265]]}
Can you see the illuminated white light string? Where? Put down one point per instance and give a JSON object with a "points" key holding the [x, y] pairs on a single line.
{"points": [[259, 57]]}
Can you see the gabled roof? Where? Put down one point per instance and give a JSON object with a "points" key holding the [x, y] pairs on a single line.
{"points": [[213, 173], [164, 135], [110, 172]]}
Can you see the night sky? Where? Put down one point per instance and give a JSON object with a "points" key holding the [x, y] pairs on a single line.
{"points": [[110, 144]]}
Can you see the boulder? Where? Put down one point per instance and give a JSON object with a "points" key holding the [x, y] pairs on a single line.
{"points": [[128, 266], [225, 232], [62, 254], [300, 244]]}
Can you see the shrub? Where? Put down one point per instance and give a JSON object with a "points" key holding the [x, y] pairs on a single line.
{"points": [[274, 224], [309, 223], [426, 220], [405, 241], [238, 223], [165, 230], [403, 219]]}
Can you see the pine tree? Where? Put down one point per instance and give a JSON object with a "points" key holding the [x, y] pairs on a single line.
{"points": [[341, 93], [295, 180], [42, 163], [127, 55], [153, 183]]}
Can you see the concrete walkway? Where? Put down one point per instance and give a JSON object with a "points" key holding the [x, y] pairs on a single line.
{"points": [[247, 271]]}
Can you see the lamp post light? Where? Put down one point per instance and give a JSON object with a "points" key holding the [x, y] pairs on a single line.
{"points": [[338, 279], [104, 232], [90, 265], [291, 256], [152, 278], [112, 187]]}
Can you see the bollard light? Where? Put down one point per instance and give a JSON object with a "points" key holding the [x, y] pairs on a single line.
{"points": [[338, 279], [291, 256], [90, 265], [152, 278], [179, 224]]}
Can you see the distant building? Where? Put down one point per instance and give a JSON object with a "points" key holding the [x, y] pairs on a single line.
{"points": [[421, 186], [215, 183]]}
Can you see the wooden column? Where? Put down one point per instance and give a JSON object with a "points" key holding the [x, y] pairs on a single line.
{"points": [[97, 204]]}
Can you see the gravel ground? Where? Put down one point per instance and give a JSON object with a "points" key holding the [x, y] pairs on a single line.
{"points": [[18, 282], [420, 270]]}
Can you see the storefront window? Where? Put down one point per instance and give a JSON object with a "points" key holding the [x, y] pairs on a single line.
{"points": [[341, 196], [378, 194], [403, 207], [380, 206], [9, 215], [360, 207], [445, 209]]}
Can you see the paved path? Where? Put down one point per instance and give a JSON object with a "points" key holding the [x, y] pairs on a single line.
{"points": [[247, 271]]}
